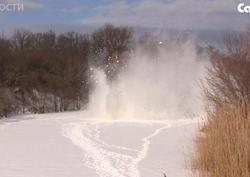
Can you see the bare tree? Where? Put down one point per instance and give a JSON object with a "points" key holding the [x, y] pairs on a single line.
{"points": [[228, 79], [109, 43]]}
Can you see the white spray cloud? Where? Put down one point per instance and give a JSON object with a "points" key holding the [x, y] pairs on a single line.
{"points": [[164, 86]]}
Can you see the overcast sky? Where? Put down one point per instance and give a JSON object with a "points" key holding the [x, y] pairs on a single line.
{"points": [[174, 14]]}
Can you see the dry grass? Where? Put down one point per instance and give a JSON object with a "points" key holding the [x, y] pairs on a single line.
{"points": [[223, 145]]}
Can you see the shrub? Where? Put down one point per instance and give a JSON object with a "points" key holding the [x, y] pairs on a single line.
{"points": [[228, 78], [223, 144], [7, 102]]}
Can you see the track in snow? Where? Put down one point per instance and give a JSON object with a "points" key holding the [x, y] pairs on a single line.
{"points": [[108, 160], [66, 145]]}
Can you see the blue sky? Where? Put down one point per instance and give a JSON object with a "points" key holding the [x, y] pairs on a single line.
{"points": [[177, 14]]}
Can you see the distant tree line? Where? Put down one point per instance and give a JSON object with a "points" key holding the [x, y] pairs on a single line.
{"points": [[45, 72]]}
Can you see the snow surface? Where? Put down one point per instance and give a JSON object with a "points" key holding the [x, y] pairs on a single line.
{"points": [[67, 145]]}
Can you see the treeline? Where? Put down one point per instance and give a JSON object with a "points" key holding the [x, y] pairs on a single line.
{"points": [[45, 72]]}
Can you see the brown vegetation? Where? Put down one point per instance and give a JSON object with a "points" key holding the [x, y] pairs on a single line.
{"points": [[223, 145], [45, 72], [229, 77]]}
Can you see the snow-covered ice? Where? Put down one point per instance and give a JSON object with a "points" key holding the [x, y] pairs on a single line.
{"points": [[67, 145]]}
